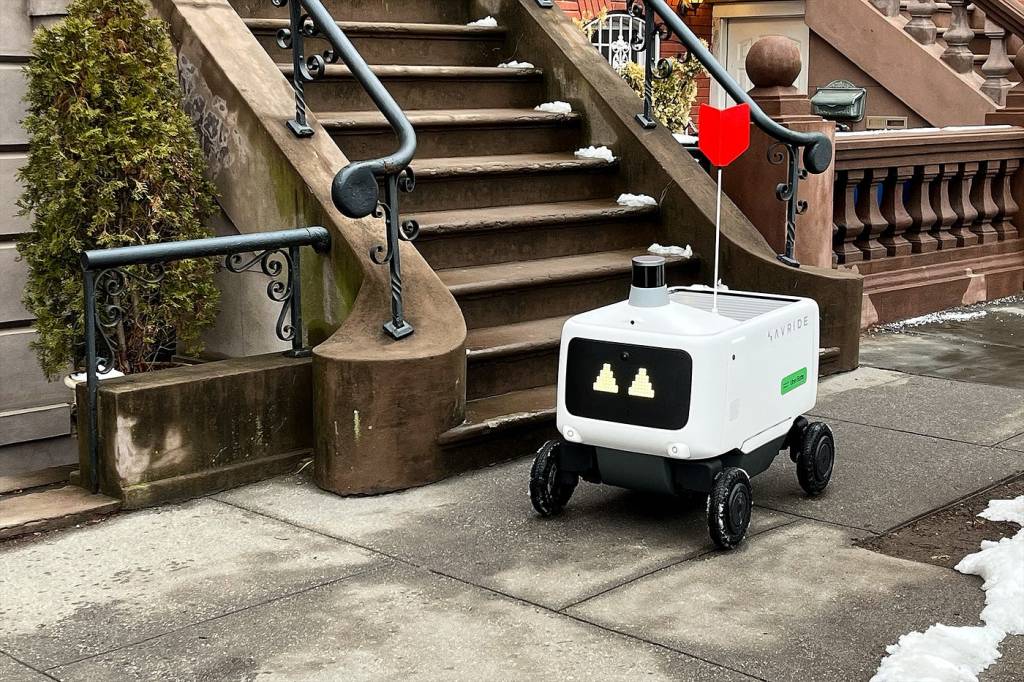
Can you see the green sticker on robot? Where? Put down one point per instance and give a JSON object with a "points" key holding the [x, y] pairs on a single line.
{"points": [[794, 380]]}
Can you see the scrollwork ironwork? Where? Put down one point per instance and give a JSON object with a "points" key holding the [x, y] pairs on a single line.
{"points": [[779, 153], [272, 263]]}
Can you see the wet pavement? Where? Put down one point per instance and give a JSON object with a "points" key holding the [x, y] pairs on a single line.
{"points": [[461, 580]]}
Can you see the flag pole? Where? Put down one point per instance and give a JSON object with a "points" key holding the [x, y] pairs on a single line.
{"points": [[718, 232]]}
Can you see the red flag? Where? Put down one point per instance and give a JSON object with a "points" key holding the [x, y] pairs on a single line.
{"points": [[724, 133]]}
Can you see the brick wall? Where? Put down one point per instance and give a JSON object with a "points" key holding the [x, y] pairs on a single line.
{"points": [[699, 22]]}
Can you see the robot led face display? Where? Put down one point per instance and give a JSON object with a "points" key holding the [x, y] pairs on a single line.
{"points": [[662, 393]]}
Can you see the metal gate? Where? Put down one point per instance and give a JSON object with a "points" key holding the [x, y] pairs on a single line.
{"points": [[617, 36]]}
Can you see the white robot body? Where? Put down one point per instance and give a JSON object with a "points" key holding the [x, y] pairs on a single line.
{"points": [[673, 379]]}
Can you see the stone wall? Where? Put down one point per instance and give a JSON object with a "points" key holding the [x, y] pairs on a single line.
{"points": [[34, 413]]}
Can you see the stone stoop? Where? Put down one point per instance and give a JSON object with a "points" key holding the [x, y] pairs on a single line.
{"points": [[42, 500], [522, 232]]}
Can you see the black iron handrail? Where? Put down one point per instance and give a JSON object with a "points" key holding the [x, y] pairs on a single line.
{"points": [[817, 148], [104, 273], [356, 187]]}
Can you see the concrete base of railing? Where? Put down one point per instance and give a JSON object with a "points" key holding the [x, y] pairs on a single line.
{"points": [[190, 431]]}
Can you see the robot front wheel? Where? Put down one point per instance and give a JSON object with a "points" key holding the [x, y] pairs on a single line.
{"points": [[729, 505], [550, 487]]}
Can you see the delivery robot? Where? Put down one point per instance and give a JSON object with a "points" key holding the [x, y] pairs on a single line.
{"points": [[686, 389]]}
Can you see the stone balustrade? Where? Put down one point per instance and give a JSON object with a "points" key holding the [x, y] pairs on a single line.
{"points": [[909, 192], [997, 68]]}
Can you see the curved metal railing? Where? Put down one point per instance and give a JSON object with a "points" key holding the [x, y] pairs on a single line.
{"points": [[356, 187], [817, 148]]}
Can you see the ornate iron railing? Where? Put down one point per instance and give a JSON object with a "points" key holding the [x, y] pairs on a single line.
{"points": [[817, 148], [106, 276], [356, 187]]}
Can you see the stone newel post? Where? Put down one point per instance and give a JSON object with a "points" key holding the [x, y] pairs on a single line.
{"points": [[773, 65]]}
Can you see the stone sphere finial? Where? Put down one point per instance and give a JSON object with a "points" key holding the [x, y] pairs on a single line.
{"points": [[773, 61]]}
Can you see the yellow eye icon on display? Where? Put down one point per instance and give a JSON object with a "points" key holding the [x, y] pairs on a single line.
{"points": [[641, 386], [606, 380]]}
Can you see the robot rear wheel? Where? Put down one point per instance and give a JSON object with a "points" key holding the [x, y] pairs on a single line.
{"points": [[815, 458], [729, 506], [550, 487]]}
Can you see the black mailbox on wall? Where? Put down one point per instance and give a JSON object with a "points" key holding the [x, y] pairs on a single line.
{"points": [[840, 101]]}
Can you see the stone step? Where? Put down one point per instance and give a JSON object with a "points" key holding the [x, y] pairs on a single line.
{"points": [[427, 87], [530, 231], [444, 12], [35, 479], [498, 415], [51, 509], [512, 357], [398, 43], [472, 182], [506, 293], [456, 132]]}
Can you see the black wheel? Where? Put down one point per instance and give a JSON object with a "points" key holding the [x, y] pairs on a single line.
{"points": [[816, 459], [550, 488], [729, 506]]}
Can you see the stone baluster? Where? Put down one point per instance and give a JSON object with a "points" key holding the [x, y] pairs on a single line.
{"points": [[844, 217], [982, 190], [958, 39], [998, 66], [1004, 222], [960, 199], [944, 213], [921, 25], [889, 8], [919, 206], [870, 215], [894, 213]]}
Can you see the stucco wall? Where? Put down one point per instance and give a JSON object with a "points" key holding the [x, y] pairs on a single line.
{"points": [[34, 414]]}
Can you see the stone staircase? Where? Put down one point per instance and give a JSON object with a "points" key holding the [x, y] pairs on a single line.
{"points": [[521, 231]]}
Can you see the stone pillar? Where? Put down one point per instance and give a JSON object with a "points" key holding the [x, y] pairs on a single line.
{"points": [[1013, 112], [773, 65]]}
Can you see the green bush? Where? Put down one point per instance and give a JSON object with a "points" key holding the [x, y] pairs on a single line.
{"points": [[113, 161], [673, 97]]}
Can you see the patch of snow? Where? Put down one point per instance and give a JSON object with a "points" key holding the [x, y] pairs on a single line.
{"points": [[1000, 564], [595, 153], [721, 286], [486, 22], [636, 200], [554, 107], [954, 654], [944, 316], [680, 251], [515, 65], [940, 654], [683, 138], [920, 131]]}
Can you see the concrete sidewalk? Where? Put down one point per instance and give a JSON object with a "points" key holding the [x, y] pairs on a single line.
{"points": [[461, 580]]}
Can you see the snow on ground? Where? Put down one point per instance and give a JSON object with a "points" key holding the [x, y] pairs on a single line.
{"points": [[554, 107], [515, 65], [943, 316], [595, 153], [636, 200], [659, 250], [940, 654], [958, 654], [1001, 566], [486, 22]]}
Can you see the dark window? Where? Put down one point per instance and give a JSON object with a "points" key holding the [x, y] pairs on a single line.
{"points": [[628, 384]]}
